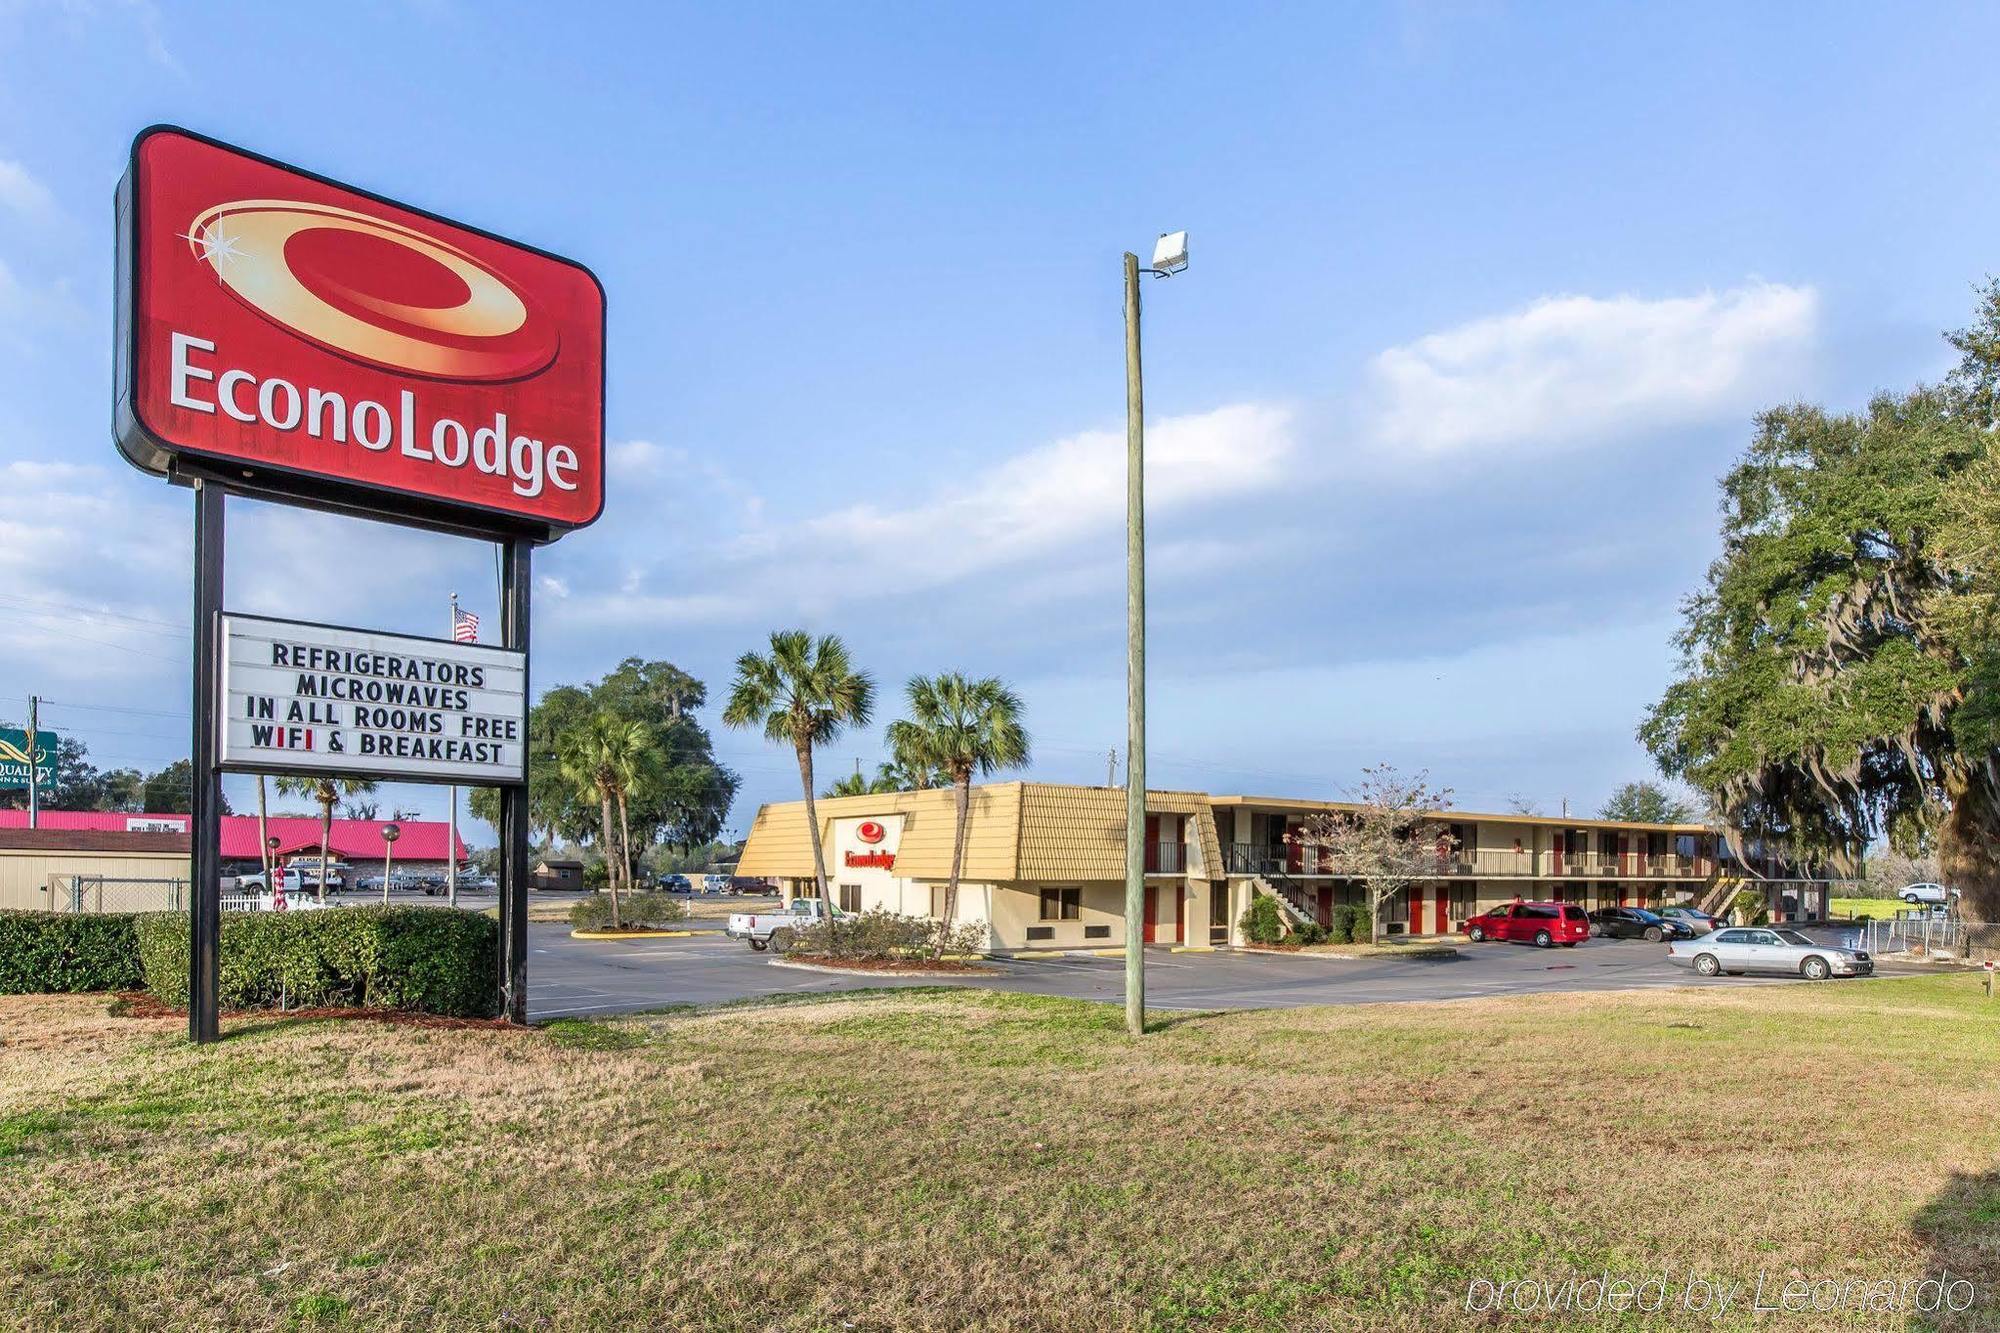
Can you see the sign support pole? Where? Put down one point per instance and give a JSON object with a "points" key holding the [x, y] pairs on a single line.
{"points": [[205, 784], [34, 763], [516, 579]]}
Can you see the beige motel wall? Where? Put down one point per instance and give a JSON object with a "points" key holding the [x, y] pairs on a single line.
{"points": [[40, 880], [893, 852]]}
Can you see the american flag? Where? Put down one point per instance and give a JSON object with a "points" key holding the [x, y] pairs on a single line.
{"points": [[464, 626]]}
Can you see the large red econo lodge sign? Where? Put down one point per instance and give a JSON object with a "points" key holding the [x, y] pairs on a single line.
{"points": [[286, 333]]}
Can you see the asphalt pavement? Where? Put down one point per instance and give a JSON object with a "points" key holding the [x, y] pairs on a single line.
{"points": [[569, 977]]}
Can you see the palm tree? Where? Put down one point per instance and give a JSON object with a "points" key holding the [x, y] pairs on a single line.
{"points": [[854, 784], [327, 791], [599, 759], [958, 727], [805, 692]]}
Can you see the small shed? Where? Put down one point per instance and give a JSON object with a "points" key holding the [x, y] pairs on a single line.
{"points": [[552, 873]]}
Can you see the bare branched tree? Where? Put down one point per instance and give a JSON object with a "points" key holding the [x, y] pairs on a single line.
{"points": [[1389, 841]]}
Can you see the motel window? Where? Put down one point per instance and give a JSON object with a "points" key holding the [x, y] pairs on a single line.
{"points": [[938, 892], [1062, 904], [849, 897]]}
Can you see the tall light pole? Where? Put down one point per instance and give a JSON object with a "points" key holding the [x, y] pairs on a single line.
{"points": [[1169, 258]]}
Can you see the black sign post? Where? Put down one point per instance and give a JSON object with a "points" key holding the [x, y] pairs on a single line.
{"points": [[515, 579], [204, 781]]}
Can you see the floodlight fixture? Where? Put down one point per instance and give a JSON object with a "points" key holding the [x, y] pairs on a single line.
{"points": [[1170, 254]]}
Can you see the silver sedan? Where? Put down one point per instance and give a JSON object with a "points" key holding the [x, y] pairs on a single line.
{"points": [[1738, 949]]}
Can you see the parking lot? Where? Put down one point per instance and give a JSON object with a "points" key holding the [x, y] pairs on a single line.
{"points": [[572, 977]]}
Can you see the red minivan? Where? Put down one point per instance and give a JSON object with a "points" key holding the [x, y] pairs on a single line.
{"points": [[1543, 924]]}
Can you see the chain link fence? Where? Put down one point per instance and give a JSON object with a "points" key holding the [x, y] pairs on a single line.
{"points": [[1926, 935], [109, 893]]}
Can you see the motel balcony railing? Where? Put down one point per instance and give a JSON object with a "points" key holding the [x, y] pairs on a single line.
{"points": [[1166, 858], [1627, 865], [1243, 858], [1497, 861]]}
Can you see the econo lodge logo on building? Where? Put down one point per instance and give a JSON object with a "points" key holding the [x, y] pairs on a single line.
{"points": [[288, 333], [870, 832]]}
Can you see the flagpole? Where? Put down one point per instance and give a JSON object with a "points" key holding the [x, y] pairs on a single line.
{"points": [[451, 824]]}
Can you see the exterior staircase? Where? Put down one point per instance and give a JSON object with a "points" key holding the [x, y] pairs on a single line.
{"points": [[1718, 894], [1295, 912]]}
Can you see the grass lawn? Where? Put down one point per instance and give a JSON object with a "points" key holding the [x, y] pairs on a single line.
{"points": [[1882, 909], [967, 1158]]}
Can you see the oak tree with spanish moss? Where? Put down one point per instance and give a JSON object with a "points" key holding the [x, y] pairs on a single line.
{"points": [[1840, 668]]}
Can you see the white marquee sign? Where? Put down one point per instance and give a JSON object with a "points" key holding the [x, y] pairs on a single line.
{"points": [[305, 698]]}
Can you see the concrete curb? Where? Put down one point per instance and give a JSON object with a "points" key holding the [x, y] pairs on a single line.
{"points": [[635, 934], [865, 972], [1414, 954]]}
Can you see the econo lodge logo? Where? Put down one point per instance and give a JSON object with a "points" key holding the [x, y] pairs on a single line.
{"points": [[372, 289], [870, 832], [290, 335]]}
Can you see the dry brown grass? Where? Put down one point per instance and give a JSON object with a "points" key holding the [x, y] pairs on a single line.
{"points": [[943, 1160]]}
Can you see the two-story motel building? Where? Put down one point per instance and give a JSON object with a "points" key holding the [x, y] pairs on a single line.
{"points": [[1045, 863]]}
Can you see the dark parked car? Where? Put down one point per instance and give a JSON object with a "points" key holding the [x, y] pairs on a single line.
{"points": [[1542, 924], [1636, 923], [676, 884]]}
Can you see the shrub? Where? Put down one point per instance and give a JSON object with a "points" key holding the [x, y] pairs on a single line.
{"points": [[634, 910], [1748, 907], [1310, 932], [50, 952], [1261, 922], [878, 935], [432, 960], [1361, 924]]}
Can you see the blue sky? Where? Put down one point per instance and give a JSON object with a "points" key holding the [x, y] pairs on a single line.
{"points": [[1483, 300]]}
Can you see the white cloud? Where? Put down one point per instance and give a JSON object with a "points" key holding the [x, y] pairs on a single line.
{"points": [[22, 192], [1574, 368], [87, 577], [1017, 514], [1058, 493]]}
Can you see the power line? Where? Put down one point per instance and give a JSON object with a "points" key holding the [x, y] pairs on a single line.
{"points": [[92, 613], [109, 708]]}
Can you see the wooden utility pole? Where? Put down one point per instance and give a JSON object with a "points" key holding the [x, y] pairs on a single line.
{"points": [[1135, 662]]}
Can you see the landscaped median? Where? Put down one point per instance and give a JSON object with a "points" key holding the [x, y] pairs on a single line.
{"points": [[890, 944], [637, 916], [967, 1158]]}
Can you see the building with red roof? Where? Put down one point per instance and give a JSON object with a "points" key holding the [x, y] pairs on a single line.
{"points": [[424, 844]]}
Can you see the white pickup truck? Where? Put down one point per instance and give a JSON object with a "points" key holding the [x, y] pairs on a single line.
{"points": [[777, 930]]}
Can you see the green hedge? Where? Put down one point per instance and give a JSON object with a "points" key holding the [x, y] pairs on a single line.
{"points": [[1340, 928], [1261, 922], [634, 911], [429, 959], [47, 952], [1362, 926]]}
